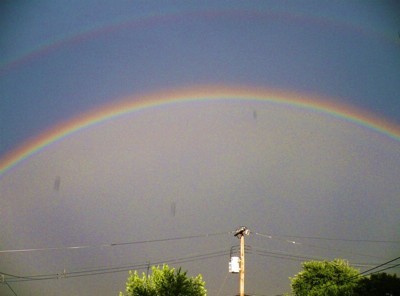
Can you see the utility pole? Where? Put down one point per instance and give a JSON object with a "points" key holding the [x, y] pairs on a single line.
{"points": [[240, 233]]}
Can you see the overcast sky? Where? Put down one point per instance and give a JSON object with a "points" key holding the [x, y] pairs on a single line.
{"points": [[197, 167]]}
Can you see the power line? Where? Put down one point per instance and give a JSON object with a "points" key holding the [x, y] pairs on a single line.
{"points": [[380, 265], [101, 271], [280, 238], [362, 274], [280, 254], [390, 267], [12, 290], [296, 257], [114, 244], [107, 270], [338, 239], [118, 269], [222, 284], [365, 273]]}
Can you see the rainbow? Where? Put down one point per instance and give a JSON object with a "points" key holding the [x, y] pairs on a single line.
{"points": [[159, 19], [186, 95]]}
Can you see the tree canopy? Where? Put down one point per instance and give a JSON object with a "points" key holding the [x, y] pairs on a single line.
{"points": [[380, 284], [164, 281], [329, 278]]}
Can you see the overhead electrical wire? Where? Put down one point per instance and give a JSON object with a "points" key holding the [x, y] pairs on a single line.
{"points": [[100, 271], [12, 290], [137, 266], [380, 270], [105, 270], [222, 284], [342, 239], [125, 268], [294, 257], [330, 238], [114, 244], [366, 272], [281, 255], [281, 238], [380, 265]]}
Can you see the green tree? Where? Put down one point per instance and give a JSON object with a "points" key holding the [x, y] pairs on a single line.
{"points": [[164, 281], [328, 278], [380, 284]]}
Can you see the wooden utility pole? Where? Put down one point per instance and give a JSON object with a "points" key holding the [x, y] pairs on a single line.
{"points": [[240, 233], [242, 265]]}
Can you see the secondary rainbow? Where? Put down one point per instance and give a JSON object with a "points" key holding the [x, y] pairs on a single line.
{"points": [[187, 95], [159, 19]]}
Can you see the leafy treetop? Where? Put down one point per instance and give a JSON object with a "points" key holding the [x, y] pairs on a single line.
{"points": [[328, 278], [164, 281]]}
